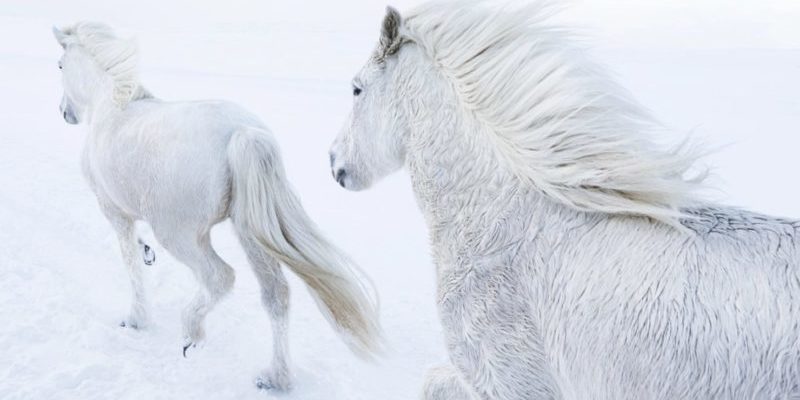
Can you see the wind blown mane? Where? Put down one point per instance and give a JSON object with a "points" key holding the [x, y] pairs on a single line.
{"points": [[556, 119], [117, 57]]}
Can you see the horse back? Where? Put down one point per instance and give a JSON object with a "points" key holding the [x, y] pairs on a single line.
{"points": [[156, 157]]}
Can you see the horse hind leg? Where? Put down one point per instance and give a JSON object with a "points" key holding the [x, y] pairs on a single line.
{"points": [[216, 279], [275, 298]]}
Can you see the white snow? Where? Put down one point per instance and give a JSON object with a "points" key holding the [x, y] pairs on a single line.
{"points": [[63, 289]]}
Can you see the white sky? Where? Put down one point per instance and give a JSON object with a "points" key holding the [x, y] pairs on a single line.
{"points": [[692, 23], [612, 23]]}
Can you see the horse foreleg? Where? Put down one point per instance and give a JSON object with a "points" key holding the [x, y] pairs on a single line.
{"points": [[444, 383], [124, 226], [493, 335]]}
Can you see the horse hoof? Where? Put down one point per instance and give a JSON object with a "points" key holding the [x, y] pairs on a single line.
{"points": [[148, 255], [186, 347], [273, 382], [132, 325]]}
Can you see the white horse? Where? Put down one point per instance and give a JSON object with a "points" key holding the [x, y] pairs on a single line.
{"points": [[184, 167], [573, 259]]}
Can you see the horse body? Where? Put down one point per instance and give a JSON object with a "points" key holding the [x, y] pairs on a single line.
{"points": [[183, 167], [538, 300], [181, 143], [561, 304], [572, 263]]}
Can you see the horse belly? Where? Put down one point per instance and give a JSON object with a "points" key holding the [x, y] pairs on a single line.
{"points": [[152, 185], [128, 192]]}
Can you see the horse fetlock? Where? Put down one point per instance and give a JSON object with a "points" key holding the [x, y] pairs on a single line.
{"points": [[137, 319], [192, 343], [148, 255], [274, 379], [128, 324], [193, 330], [187, 344]]}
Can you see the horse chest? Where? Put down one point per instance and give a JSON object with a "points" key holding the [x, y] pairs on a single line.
{"points": [[480, 305]]}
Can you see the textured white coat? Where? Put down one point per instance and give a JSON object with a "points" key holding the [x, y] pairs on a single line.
{"points": [[184, 167], [573, 258]]}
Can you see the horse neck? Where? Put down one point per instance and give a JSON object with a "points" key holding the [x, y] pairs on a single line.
{"points": [[101, 104], [102, 109], [459, 181]]}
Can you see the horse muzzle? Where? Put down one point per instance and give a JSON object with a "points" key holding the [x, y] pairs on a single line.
{"points": [[69, 117]]}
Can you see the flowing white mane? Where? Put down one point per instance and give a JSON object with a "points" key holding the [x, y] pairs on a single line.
{"points": [[556, 118], [117, 57]]}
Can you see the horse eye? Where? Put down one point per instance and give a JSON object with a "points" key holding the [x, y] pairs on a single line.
{"points": [[59, 66], [356, 91]]}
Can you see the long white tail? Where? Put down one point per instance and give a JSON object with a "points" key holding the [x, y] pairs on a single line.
{"points": [[265, 208]]}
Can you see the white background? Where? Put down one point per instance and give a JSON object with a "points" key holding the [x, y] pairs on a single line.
{"points": [[728, 71]]}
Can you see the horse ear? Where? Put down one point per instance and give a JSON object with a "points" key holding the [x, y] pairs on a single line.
{"points": [[60, 36], [390, 31], [391, 25]]}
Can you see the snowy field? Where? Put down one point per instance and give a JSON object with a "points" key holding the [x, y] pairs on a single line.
{"points": [[727, 71]]}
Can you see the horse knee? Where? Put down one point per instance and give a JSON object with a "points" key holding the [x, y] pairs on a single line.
{"points": [[211, 271], [278, 307], [274, 287], [222, 281], [276, 291]]}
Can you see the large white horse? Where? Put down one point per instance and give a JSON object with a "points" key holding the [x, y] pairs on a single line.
{"points": [[572, 258], [184, 167]]}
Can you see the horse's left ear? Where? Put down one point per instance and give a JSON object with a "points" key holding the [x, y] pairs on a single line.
{"points": [[391, 25], [61, 37], [390, 31]]}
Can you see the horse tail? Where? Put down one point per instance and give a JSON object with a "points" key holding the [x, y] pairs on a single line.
{"points": [[265, 209]]}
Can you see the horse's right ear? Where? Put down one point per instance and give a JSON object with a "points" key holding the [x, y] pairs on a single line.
{"points": [[61, 37]]}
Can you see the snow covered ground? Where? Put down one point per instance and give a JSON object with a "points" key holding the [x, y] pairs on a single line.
{"points": [[728, 72]]}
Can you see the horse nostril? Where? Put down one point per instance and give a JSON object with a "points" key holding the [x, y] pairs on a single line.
{"points": [[332, 158], [340, 175], [65, 115]]}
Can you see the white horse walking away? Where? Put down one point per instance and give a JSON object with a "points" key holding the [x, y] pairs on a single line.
{"points": [[573, 259], [184, 167]]}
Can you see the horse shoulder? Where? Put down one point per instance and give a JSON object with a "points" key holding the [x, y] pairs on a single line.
{"points": [[491, 328]]}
